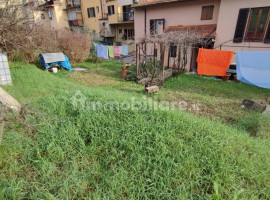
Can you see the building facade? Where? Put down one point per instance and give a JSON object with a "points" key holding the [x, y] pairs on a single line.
{"points": [[58, 14], [110, 20], [243, 24], [236, 25]]}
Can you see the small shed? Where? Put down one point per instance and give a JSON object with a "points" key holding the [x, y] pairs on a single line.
{"points": [[49, 60]]}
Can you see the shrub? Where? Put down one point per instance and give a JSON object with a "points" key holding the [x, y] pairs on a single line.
{"points": [[75, 45], [131, 75]]}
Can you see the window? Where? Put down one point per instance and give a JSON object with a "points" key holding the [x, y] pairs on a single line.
{"points": [[257, 24], [42, 16], [173, 50], [91, 12], [253, 25], [128, 13], [157, 26], [111, 10], [128, 34], [97, 8], [207, 12]]}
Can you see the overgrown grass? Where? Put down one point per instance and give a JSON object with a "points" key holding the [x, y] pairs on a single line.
{"points": [[78, 153], [220, 101]]}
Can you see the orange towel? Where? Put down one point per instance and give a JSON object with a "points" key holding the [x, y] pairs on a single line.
{"points": [[214, 62]]}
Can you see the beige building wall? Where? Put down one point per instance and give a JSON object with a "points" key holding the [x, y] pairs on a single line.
{"points": [[60, 20], [39, 20], [93, 22], [128, 42], [113, 19], [227, 21]]}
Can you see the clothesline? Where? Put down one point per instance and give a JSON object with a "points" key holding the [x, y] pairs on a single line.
{"points": [[106, 51], [252, 66]]}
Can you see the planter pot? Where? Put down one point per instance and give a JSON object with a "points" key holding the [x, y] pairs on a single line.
{"points": [[226, 77]]}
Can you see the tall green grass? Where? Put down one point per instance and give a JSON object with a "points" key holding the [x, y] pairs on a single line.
{"points": [[78, 153]]}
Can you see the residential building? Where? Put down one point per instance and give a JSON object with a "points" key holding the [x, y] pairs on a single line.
{"points": [[231, 24], [58, 14], [111, 20], [74, 13], [93, 11], [243, 24]]}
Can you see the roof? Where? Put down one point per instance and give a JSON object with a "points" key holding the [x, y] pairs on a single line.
{"points": [[147, 3], [208, 30]]}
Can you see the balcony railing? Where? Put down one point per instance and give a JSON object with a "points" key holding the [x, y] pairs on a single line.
{"points": [[73, 4], [76, 22], [126, 17]]}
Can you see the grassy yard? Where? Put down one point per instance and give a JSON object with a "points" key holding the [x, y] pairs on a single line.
{"points": [[218, 152]]}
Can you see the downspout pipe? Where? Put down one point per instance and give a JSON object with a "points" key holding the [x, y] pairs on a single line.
{"points": [[145, 14], [101, 7]]}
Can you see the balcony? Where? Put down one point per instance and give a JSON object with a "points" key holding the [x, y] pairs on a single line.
{"points": [[50, 3], [73, 4], [126, 17], [75, 23]]}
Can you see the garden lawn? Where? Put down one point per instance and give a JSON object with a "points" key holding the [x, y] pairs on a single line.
{"points": [[71, 152]]}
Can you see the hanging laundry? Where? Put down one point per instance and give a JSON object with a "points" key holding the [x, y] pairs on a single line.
{"points": [[125, 50], [120, 50], [99, 50], [253, 67], [111, 51], [214, 62], [116, 51], [102, 51], [105, 52]]}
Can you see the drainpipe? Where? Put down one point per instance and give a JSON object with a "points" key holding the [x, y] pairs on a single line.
{"points": [[101, 8], [145, 21], [145, 27]]}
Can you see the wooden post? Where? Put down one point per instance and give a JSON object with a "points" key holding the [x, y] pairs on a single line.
{"points": [[179, 57], [137, 58], [168, 61], [154, 54], [163, 65]]}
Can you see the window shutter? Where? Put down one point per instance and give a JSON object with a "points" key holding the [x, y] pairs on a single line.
{"points": [[113, 10], [152, 27], [88, 12], [267, 36], [241, 25], [109, 10]]}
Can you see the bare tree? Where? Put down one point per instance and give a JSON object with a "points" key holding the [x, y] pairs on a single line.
{"points": [[151, 63], [15, 25]]}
